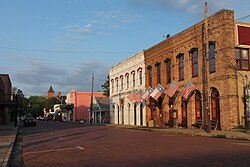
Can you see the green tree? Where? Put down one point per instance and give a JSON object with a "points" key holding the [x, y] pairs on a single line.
{"points": [[50, 102], [22, 101], [105, 87], [36, 105]]}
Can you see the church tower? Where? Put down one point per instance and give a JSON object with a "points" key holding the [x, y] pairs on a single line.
{"points": [[51, 92]]}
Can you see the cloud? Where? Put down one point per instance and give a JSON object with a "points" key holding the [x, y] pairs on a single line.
{"points": [[38, 75], [97, 23], [78, 31], [79, 77], [113, 17]]}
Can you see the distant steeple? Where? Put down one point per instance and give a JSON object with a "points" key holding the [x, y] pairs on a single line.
{"points": [[51, 89], [51, 92]]}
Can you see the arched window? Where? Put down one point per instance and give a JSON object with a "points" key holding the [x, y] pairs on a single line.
{"points": [[212, 67], [127, 80], [215, 105], [141, 114], [133, 78], [128, 113], [140, 75], [135, 113], [180, 61], [112, 85], [121, 77], [194, 55], [184, 112], [158, 72], [168, 70], [149, 74], [116, 80], [118, 114], [113, 112], [198, 106]]}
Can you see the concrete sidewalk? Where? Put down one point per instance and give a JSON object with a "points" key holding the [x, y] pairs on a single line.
{"points": [[192, 132], [8, 135]]}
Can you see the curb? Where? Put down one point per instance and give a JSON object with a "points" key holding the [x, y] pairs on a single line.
{"points": [[214, 134], [5, 162], [16, 159]]}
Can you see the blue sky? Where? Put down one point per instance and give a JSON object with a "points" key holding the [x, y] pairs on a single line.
{"points": [[62, 42]]}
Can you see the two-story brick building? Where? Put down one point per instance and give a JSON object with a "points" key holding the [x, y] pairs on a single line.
{"points": [[81, 102], [182, 58]]}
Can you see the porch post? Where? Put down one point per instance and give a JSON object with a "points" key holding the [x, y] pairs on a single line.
{"points": [[100, 117]]}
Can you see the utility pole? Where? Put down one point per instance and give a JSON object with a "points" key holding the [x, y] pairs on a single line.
{"points": [[91, 103], [206, 82], [247, 113]]}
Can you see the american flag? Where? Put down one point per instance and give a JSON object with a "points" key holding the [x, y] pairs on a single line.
{"points": [[157, 92], [172, 89], [138, 96], [146, 95], [187, 89], [131, 96]]}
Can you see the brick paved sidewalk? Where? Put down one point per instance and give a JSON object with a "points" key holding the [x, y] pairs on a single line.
{"points": [[7, 139]]}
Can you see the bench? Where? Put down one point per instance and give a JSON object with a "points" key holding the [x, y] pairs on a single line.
{"points": [[169, 123], [214, 124], [183, 124], [197, 124]]}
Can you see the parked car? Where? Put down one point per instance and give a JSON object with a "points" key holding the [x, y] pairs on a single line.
{"points": [[29, 122], [41, 118]]}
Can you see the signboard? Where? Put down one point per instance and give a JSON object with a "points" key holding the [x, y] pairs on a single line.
{"points": [[242, 35]]}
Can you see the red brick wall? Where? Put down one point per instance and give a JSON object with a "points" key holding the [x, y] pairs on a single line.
{"points": [[221, 31]]}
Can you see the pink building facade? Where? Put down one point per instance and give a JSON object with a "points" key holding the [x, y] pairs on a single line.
{"points": [[81, 102]]}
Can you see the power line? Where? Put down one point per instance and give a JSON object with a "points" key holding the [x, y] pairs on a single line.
{"points": [[243, 17], [68, 51]]}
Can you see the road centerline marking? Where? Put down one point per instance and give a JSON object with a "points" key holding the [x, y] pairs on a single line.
{"points": [[81, 148], [50, 150]]}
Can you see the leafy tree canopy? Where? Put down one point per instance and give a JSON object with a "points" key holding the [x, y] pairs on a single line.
{"points": [[22, 101], [105, 87]]}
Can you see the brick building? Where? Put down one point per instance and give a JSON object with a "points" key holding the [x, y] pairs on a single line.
{"points": [[7, 104], [181, 58], [81, 102]]}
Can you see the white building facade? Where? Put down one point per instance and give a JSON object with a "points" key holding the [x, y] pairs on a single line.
{"points": [[126, 77]]}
